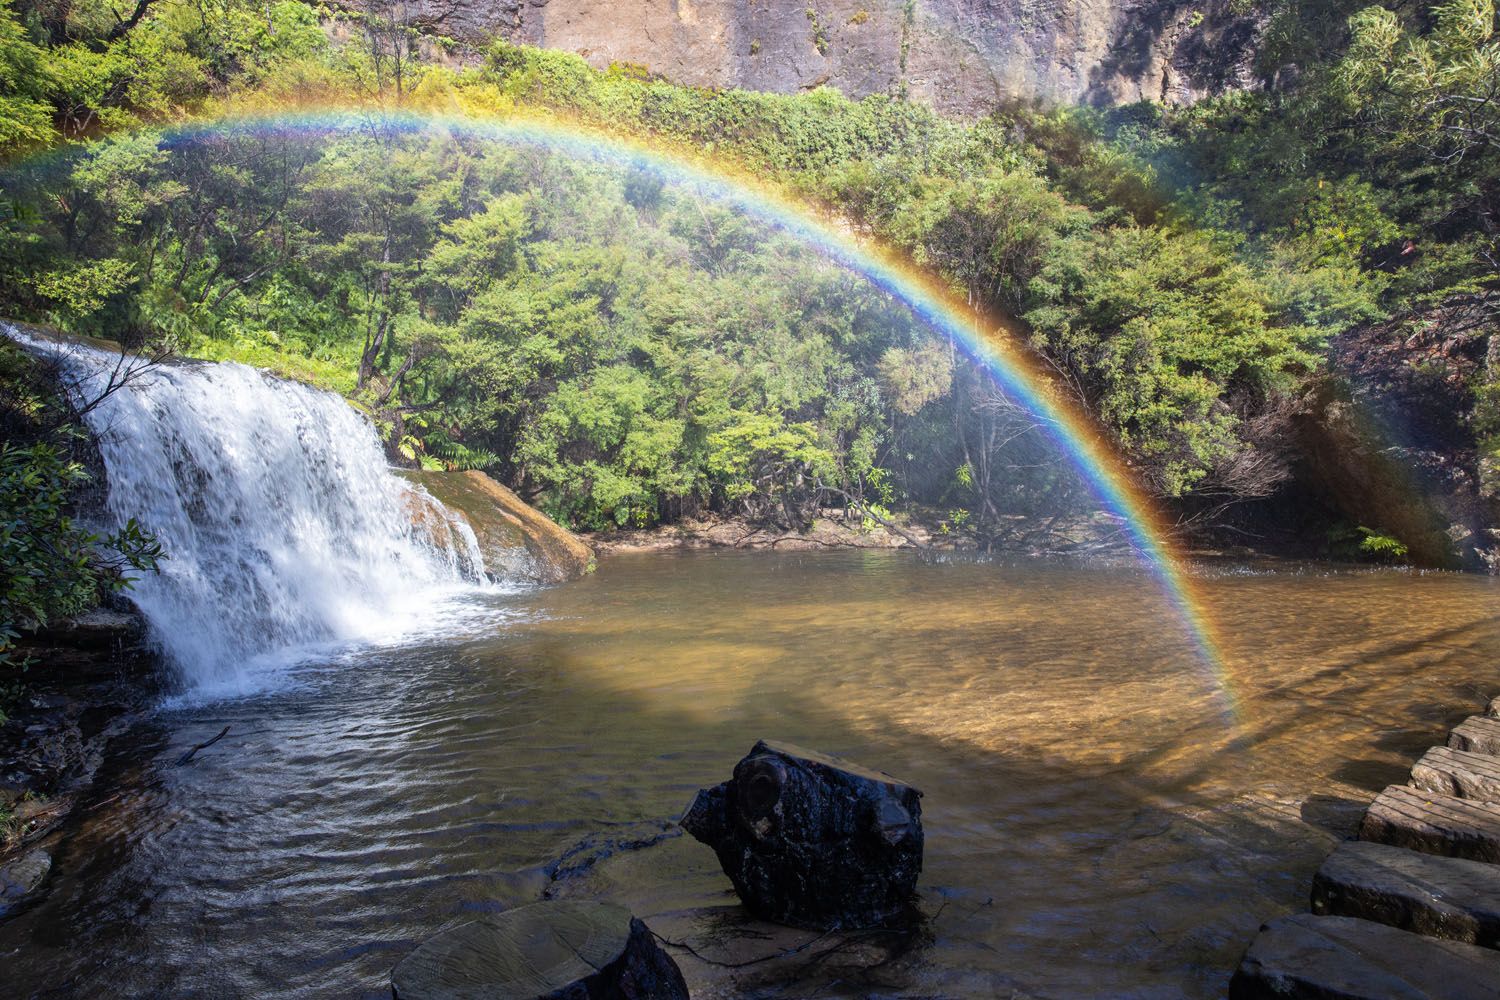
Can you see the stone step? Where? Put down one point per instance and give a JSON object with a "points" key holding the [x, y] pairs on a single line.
{"points": [[1476, 734], [1458, 773], [1434, 824], [1306, 956], [1448, 898]]}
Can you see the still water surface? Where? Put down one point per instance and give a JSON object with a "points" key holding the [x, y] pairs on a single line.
{"points": [[1102, 820]]}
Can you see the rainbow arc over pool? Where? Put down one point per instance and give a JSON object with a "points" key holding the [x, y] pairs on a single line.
{"points": [[992, 341]]}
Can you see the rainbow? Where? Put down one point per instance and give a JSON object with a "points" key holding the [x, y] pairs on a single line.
{"points": [[990, 341]]}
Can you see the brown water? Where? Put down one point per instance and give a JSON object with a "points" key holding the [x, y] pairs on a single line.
{"points": [[1098, 823]]}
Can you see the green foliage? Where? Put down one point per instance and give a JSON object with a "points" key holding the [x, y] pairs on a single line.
{"points": [[1167, 329], [50, 565], [1365, 544], [25, 112], [623, 352], [1438, 89], [54, 568], [1381, 546]]}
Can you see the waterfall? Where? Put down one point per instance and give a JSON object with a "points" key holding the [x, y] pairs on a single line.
{"points": [[283, 527]]}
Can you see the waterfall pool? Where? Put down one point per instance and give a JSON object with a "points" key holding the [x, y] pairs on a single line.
{"points": [[1099, 824]]}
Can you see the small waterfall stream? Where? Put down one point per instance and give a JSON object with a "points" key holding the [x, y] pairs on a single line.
{"points": [[283, 526]]}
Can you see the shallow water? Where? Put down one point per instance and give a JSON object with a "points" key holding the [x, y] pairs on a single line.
{"points": [[1102, 821]]}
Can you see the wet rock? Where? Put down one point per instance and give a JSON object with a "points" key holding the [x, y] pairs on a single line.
{"points": [[98, 646], [1340, 958], [517, 540], [556, 950], [1434, 824], [22, 879], [811, 840], [1458, 773], [102, 629], [1440, 897], [1476, 734]]}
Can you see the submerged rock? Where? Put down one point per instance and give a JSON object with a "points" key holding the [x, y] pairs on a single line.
{"points": [[516, 540], [21, 879], [813, 841], [556, 950], [1340, 958]]}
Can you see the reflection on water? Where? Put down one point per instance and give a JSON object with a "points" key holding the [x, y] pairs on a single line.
{"points": [[1097, 823]]}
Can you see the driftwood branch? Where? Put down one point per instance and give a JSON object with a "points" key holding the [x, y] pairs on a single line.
{"points": [[201, 746], [864, 508]]}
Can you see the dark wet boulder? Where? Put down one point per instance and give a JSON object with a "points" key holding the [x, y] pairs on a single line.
{"points": [[554, 950], [22, 878], [813, 841]]}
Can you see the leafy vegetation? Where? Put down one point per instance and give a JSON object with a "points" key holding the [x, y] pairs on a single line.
{"points": [[624, 351], [50, 566]]}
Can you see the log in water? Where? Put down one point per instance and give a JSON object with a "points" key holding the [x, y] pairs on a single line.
{"points": [[1476, 734], [1458, 773]]}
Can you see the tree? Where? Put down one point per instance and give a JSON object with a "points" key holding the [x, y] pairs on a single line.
{"points": [[1439, 90], [25, 76]]}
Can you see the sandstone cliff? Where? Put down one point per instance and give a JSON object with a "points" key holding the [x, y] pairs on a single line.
{"points": [[961, 56], [517, 541]]}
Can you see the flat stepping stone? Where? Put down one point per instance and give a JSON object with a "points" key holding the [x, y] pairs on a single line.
{"points": [[1434, 824], [555, 950], [1476, 734], [1340, 958], [1448, 898], [1458, 773]]}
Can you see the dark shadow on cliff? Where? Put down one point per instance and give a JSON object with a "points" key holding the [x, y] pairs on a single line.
{"points": [[1210, 48]]}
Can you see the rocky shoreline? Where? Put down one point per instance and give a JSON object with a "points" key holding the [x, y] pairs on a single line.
{"points": [[91, 679], [1410, 908], [828, 532]]}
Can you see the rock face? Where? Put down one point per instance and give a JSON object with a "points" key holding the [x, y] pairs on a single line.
{"points": [[958, 55], [811, 840], [517, 540], [558, 950]]}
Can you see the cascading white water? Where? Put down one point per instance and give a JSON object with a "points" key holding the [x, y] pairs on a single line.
{"points": [[282, 524]]}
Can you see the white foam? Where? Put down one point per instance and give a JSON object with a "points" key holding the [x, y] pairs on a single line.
{"points": [[286, 533]]}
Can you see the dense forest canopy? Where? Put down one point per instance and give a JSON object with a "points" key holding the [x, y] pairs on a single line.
{"points": [[627, 354]]}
